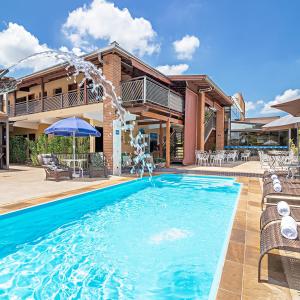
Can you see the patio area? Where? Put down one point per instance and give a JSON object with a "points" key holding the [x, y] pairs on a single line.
{"points": [[22, 183]]}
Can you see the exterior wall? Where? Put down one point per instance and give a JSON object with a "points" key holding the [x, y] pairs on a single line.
{"points": [[190, 127], [112, 71], [220, 129]]}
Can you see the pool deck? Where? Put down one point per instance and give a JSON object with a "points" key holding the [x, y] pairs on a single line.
{"points": [[239, 277], [22, 187]]}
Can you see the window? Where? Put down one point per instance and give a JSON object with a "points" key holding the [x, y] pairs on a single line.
{"points": [[45, 94], [31, 97], [72, 87], [57, 91]]}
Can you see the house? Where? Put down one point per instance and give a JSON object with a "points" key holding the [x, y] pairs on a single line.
{"points": [[178, 114]]}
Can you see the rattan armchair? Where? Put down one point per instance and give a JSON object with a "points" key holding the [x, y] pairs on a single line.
{"points": [[52, 167]]}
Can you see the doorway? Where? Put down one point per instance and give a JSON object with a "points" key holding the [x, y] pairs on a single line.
{"points": [[99, 140]]}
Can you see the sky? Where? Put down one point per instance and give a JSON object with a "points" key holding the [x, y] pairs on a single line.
{"points": [[252, 47]]}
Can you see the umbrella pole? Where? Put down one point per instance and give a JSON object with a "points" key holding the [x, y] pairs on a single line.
{"points": [[74, 170]]}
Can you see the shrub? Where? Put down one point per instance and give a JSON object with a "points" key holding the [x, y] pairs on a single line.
{"points": [[17, 149]]}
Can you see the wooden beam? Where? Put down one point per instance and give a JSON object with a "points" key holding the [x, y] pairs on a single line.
{"points": [[156, 116], [168, 147], [161, 139], [148, 122], [137, 109]]}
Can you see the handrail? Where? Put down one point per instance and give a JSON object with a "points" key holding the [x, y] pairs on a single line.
{"points": [[144, 89], [60, 101], [210, 125]]}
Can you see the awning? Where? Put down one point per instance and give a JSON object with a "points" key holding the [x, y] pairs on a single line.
{"points": [[292, 107], [283, 123]]}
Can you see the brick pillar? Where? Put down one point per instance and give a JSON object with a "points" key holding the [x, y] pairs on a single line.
{"points": [[112, 72], [200, 121], [220, 129]]}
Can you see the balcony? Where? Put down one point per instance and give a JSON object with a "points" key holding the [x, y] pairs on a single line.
{"points": [[144, 90], [56, 102]]}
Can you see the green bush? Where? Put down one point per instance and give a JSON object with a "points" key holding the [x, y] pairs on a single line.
{"points": [[21, 149], [17, 149]]}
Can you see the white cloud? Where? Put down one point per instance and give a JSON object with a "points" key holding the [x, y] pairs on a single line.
{"points": [[186, 47], [287, 95], [17, 43], [75, 50], [249, 105], [102, 20], [252, 105], [173, 69]]}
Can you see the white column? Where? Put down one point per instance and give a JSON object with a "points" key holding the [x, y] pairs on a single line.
{"points": [[117, 148]]}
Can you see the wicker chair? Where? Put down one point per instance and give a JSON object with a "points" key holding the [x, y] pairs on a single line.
{"points": [[271, 238], [52, 167], [97, 165]]}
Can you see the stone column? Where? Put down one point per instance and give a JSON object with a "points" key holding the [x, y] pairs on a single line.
{"points": [[220, 129], [112, 72]]}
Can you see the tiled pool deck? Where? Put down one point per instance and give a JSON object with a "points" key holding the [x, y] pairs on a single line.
{"points": [[239, 277]]}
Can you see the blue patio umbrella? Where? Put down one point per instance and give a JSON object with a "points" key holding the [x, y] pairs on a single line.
{"points": [[73, 127]]}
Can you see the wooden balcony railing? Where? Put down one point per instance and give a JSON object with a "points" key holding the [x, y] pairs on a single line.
{"points": [[67, 100], [144, 89]]}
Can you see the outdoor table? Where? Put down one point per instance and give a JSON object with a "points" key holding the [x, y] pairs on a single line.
{"points": [[76, 162]]}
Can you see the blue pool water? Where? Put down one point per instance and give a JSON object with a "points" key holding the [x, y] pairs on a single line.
{"points": [[163, 239]]}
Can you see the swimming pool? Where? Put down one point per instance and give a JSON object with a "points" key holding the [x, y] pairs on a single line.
{"points": [[164, 239]]}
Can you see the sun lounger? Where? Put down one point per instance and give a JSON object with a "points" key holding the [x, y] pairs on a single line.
{"points": [[271, 239], [270, 214], [290, 189]]}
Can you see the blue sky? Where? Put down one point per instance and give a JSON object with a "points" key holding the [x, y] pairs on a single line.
{"points": [[247, 46]]}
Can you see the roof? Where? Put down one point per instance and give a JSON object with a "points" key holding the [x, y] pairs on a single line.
{"points": [[113, 47], [204, 83], [285, 122]]}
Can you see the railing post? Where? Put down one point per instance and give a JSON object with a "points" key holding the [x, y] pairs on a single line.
{"points": [[145, 89], [169, 98], [62, 100], [85, 95], [15, 103]]}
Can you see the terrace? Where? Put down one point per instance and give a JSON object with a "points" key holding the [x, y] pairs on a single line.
{"points": [[56, 102], [144, 90]]}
